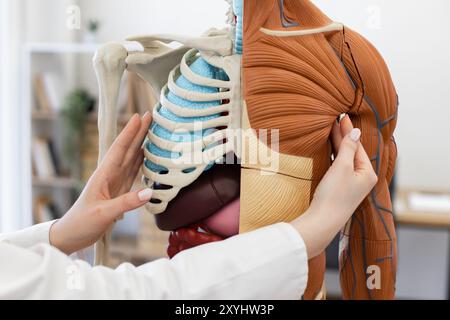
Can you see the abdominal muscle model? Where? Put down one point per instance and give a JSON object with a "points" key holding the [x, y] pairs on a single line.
{"points": [[240, 136]]}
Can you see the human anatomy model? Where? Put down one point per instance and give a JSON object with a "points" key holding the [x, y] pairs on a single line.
{"points": [[263, 95]]}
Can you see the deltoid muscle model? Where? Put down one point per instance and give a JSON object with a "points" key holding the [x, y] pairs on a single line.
{"points": [[281, 66]]}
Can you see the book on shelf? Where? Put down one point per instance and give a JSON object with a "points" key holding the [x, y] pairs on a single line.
{"points": [[45, 210], [48, 92], [42, 100], [54, 157], [45, 161]]}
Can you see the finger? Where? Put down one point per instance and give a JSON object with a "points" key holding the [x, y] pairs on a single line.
{"points": [[362, 161], [346, 125], [348, 148], [136, 144], [135, 169], [361, 157], [336, 137], [129, 177], [119, 148], [364, 168], [127, 202]]}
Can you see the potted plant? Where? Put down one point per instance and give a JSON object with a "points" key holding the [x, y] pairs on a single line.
{"points": [[75, 110], [92, 28]]}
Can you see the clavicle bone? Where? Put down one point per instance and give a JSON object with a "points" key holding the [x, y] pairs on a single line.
{"points": [[216, 41], [334, 26]]}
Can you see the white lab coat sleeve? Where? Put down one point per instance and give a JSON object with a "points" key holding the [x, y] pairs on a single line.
{"points": [[269, 263], [28, 237]]}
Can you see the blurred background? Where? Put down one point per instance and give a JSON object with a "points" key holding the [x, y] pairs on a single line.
{"points": [[49, 95]]}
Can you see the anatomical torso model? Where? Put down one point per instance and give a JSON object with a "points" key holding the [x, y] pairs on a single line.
{"points": [[240, 136]]}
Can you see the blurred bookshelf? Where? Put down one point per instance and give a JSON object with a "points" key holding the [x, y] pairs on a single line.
{"points": [[52, 72], [57, 182]]}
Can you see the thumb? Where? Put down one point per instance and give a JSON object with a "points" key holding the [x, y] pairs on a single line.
{"points": [[128, 201], [349, 147]]}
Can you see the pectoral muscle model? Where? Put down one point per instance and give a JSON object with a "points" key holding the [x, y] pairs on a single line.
{"points": [[240, 136]]}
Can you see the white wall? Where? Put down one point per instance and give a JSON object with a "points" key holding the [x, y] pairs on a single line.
{"points": [[123, 18], [45, 20], [10, 38]]}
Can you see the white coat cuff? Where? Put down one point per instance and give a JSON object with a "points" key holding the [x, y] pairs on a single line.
{"points": [[28, 237]]}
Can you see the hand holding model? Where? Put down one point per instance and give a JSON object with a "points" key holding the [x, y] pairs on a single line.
{"points": [[107, 194], [341, 191]]}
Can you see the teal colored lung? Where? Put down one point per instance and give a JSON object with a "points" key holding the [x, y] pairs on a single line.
{"points": [[201, 67]]}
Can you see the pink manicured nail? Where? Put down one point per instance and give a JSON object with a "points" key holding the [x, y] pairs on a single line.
{"points": [[145, 194], [355, 134]]}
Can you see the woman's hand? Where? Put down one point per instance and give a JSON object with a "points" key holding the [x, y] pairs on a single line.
{"points": [[341, 191], [107, 194]]}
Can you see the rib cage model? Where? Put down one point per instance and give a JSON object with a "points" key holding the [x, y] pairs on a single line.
{"points": [[282, 66], [186, 123]]}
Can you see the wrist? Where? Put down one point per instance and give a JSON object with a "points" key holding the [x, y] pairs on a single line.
{"points": [[56, 238], [305, 226], [316, 228]]}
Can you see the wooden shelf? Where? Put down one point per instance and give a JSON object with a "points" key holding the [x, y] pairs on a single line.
{"points": [[55, 182], [49, 116], [61, 48], [406, 216], [425, 219], [121, 118]]}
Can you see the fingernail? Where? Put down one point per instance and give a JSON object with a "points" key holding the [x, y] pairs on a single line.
{"points": [[146, 114], [145, 194], [134, 116], [355, 134]]}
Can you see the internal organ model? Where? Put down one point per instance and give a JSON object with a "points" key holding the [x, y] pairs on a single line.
{"points": [[282, 72]]}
